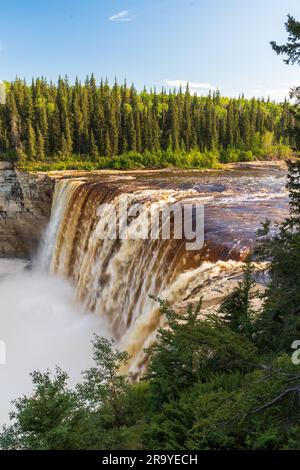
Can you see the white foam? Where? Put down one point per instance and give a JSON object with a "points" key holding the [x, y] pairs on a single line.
{"points": [[41, 326]]}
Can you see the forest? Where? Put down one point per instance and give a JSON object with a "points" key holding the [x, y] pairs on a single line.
{"points": [[89, 125]]}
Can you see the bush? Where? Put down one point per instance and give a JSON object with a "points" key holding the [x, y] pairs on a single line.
{"points": [[230, 155], [246, 156]]}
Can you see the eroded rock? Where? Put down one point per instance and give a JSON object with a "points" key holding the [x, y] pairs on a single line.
{"points": [[25, 207]]}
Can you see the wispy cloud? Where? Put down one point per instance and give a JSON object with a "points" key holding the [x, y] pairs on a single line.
{"points": [[123, 16], [276, 94], [195, 87]]}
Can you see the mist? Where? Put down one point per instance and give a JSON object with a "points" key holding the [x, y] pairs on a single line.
{"points": [[42, 326]]}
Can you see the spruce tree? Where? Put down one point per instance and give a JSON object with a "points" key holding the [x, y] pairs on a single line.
{"points": [[30, 142], [94, 152], [40, 145], [65, 116]]}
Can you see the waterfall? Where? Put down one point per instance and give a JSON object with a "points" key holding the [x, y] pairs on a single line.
{"points": [[43, 325], [59, 204], [114, 278]]}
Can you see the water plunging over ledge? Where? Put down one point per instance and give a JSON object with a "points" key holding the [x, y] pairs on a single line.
{"points": [[80, 285], [114, 278]]}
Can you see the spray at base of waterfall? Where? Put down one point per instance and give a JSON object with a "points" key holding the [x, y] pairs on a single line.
{"points": [[42, 327]]}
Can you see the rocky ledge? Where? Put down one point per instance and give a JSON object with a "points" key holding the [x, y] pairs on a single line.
{"points": [[25, 207], [216, 282]]}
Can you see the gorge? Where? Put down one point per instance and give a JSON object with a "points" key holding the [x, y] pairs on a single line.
{"points": [[80, 284]]}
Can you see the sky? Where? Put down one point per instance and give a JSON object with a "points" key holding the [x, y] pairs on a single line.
{"points": [[209, 43]]}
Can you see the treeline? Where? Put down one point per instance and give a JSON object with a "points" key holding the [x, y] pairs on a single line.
{"points": [[47, 121]]}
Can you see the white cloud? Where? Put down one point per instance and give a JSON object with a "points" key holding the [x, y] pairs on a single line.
{"points": [[123, 15], [275, 94], [195, 87]]}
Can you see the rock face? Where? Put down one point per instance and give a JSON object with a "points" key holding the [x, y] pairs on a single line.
{"points": [[25, 207], [217, 282]]}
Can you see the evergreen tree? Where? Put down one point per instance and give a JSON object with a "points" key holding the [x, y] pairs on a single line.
{"points": [[30, 142], [62, 118], [236, 310], [94, 152], [292, 48], [40, 145]]}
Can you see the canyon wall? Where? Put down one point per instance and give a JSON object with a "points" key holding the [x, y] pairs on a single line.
{"points": [[25, 207]]}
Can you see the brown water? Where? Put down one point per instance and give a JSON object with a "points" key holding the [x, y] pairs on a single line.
{"points": [[114, 278]]}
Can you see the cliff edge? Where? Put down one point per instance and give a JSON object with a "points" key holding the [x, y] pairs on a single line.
{"points": [[25, 207]]}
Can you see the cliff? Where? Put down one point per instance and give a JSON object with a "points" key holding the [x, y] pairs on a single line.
{"points": [[25, 207]]}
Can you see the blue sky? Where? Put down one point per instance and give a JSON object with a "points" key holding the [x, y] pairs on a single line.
{"points": [[210, 43]]}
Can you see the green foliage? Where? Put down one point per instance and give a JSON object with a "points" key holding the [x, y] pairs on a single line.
{"points": [[279, 324], [233, 410], [208, 387], [292, 48], [117, 127], [230, 155], [190, 348], [236, 310], [46, 420], [221, 382], [246, 156], [89, 417], [102, 384]]}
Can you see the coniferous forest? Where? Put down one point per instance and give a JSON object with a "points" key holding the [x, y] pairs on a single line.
{"points": [[95, 125]]}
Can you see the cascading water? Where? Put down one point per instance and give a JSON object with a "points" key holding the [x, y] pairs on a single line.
{"points": [[115, 277], [41, 321], [59, 204], [41, 324]]}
